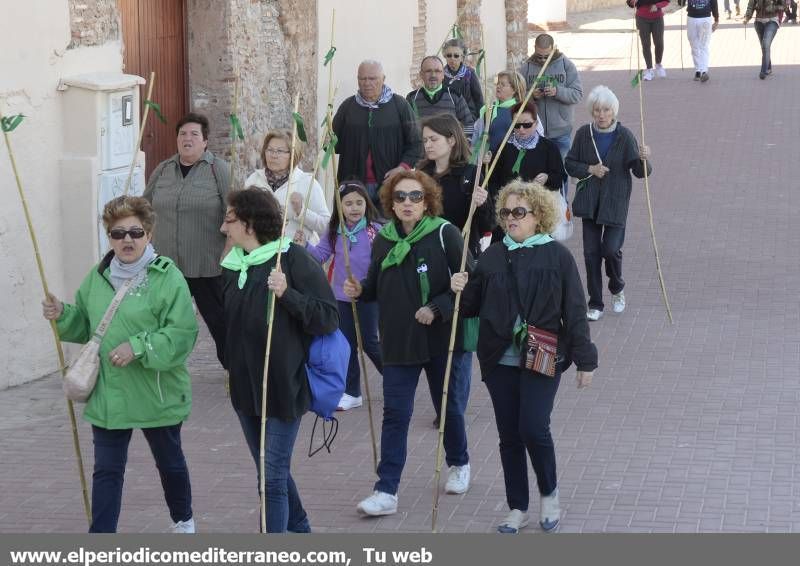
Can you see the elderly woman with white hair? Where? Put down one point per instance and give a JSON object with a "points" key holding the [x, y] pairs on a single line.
{"points": [[603, 155]]}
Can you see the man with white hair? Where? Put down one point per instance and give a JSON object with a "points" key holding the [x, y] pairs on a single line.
{"points": [[377, 131]]}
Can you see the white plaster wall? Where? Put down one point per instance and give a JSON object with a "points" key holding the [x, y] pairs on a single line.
{"points": [[33, 57], [544, 11], [493, 17]]}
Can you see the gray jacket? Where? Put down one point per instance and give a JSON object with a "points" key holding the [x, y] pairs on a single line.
{"points": [[444, 102], [605, 200], [190, 211], [555, 112]]}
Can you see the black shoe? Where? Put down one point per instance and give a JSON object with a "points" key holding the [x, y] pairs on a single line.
{"points": [[762, 75], [697, 76], [703, 77]]}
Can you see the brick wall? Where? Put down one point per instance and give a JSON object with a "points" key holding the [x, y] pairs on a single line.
{"points": [[419, 50], [93, 22], [516, 32]]}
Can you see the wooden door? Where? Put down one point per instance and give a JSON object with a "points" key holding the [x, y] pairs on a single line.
{"points": [[153, 38]]}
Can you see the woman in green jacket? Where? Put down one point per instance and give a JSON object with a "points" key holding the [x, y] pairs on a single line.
{"points": [[143, 381]]}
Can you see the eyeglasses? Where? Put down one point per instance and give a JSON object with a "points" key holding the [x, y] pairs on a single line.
{"points": [[276, 151], [414, 196], [120, 233], [541, 56], [517, 213], [452, 56], [526, 125]]}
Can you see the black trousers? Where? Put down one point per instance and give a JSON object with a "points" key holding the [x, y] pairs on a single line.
{"points": [[602, 244], [207, 293]]}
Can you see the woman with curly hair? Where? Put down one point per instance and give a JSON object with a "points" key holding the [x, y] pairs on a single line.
{"points": [[409, 275], [527, 285]]}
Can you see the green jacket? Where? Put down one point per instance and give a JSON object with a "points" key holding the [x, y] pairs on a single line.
{"points": [[158, 320]]}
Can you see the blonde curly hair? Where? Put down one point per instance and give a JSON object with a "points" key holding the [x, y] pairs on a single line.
{"points": [[542, 202]]}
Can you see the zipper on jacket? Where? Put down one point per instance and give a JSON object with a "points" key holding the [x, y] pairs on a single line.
{"points": [[158, 386]]}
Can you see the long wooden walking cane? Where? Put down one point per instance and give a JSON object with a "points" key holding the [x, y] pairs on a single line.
{"points": [[141, 133], [346, 247], [270, 327], [683, 14], [8, 125], [454, 329], [236, 129], [650, 209]]}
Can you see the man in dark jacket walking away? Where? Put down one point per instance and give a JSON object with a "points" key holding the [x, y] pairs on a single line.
{"points": [[378, 133], [434, 98]]}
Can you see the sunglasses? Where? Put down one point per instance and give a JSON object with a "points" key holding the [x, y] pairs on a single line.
{"points": [[517, 213], [414, 196], [452, 56], [526, 125], [120, 233]]}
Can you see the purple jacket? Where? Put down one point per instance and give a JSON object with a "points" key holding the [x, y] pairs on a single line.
{"points": [[360, 255]]}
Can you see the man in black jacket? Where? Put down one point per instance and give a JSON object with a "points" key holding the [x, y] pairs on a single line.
{"points": [[377, 131]]}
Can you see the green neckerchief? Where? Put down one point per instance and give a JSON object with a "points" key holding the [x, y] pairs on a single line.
{"points": [[432, 93], [237, 260], [505, 104], [518, 162], [403, 245], [351, 234], [535, 240]]}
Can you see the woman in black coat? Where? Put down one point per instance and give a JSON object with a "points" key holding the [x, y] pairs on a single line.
{"points": [[603, 156], [460, 77], [304, 308], [409, 275], [527, 284], [527, 156]]}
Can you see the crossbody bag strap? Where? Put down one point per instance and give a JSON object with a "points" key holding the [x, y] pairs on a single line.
{"points": [[112, 309], [597, 153]]}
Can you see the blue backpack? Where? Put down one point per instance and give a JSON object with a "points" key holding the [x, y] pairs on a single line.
{"points": [[328, 359]]}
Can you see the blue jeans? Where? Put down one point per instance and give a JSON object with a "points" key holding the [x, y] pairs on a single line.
{"points": [[602, 243], [399, 386], [368, 320], [563, 142], [460, 383], [285, 511], [110, 458], [766, 33], [522, 402]]}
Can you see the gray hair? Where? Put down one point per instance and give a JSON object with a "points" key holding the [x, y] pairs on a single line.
{"points": [[603, 96], [373, 63], [456, 42]]}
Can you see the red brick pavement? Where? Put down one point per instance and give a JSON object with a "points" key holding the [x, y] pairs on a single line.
{"points": [[688, 428]]}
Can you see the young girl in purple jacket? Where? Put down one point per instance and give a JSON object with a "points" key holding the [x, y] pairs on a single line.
{"points": [[360, 229]]}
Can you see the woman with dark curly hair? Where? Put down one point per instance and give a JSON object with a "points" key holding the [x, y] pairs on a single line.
{"points": [[304, 308], [409, 275]]}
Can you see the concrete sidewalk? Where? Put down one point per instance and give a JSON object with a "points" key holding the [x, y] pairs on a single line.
{"points": [[691, 427]]}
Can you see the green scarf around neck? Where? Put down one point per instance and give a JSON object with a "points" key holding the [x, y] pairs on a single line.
{"points": [[432, 93], [403, 245], [237, 260], [535, 240], [505, 104]]}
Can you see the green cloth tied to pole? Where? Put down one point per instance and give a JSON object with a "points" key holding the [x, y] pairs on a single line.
{"points": [[237, 260], [301, 127], [10, 123], [637, 78], [157, 109], [330, 148], [403, 245], [329, 56], [237, 127]]}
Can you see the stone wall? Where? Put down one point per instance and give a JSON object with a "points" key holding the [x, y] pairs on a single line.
{"points": [[273, 48], [93, 22]]}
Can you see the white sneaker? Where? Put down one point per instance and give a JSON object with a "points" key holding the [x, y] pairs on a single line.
{"points": [[348, 402], [513, 522], [377, 504], [183, 527], [457, 479], [594, 314], [661, 72], [647, 75], [550, 512], [618, 301]]}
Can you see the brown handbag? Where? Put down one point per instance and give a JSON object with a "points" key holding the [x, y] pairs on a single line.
{"points": [[539, 352]]}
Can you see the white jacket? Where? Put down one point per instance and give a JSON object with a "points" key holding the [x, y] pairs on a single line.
{"points": [[318, 214]]}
